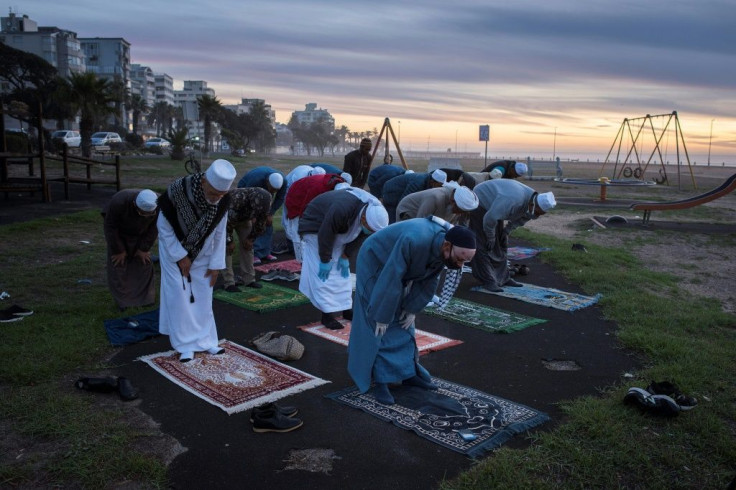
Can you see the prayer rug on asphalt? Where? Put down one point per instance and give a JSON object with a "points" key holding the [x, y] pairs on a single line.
{"points": [[269, 298], [131, 329], [538, 295], [521, 253], [235, 381], [480, 316], [287, 265], [440, 415], [426, 342]]}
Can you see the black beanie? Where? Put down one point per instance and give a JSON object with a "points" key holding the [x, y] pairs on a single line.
{"points": [[461, 236]]}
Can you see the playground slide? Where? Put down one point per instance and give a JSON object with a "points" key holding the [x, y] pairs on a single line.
{"points": [[728, 186]]}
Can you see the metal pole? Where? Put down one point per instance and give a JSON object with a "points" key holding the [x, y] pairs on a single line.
{"points": [[554, 146], [485, 160], [710, 140]]}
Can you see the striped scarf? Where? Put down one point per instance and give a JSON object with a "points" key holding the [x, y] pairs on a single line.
{"points": [[195, 216]]}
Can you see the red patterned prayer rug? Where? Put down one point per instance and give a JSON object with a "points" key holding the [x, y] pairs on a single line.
{"points": [[287, 265], [426, 342], [235, 381]]}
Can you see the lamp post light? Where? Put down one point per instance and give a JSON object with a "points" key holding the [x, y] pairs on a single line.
{"points": [[710, 140]]}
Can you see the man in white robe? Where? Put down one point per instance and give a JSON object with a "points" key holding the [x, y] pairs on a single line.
{"points": [[192, 234]]}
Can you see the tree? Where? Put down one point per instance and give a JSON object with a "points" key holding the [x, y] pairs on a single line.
{"points": [[88, 96], [139, 107], [162, 116], [210, 111], [120, 97]]}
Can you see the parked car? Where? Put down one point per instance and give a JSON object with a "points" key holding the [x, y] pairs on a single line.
{"points": [[157, 143], [72, 138], [105, 138]]}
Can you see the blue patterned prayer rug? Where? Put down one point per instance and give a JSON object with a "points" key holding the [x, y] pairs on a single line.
{"points": [[132, 329], [446, 415], [481, 316], [521, 253], [538, 295]]}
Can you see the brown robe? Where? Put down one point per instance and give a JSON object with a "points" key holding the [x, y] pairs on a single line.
{"points": [[131, 284]]}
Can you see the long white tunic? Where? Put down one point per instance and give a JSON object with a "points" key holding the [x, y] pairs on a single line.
{"points": [[190, 326]]}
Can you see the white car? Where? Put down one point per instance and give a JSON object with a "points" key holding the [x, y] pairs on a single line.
{"points": [[105, 138], [72, 138], [157, 143]]}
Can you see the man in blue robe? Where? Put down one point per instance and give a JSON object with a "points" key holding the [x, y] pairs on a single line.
{"points": [[399, 187], [397, 273], [273, 181]]}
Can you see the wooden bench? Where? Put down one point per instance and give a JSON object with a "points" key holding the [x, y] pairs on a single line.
{"points": [[728, 186], [544, 170], [32, 183]]}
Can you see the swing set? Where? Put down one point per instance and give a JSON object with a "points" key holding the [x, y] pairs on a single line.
{"points": [[386, 128], [636, 142]]}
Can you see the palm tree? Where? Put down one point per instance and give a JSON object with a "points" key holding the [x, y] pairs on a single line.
{"points": [[88, 96], [139, 107], [209, 110]]}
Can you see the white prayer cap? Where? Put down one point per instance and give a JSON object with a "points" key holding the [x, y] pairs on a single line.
{"points": [[546, 201], [439, 176], [146, 201], [410, 171], [276, 180], [317, 171], [451, 183], [376, 217], [465, 198], [520, 168], [341, 186], [221, 174], [496, 173], [347, 177]]}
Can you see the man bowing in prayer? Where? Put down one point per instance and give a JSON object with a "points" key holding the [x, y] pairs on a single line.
{"points": [[397, 272], [130, 232], [331, 227], [502, 201], [192, 233]]}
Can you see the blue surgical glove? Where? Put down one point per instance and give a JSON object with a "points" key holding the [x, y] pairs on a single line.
{"points": [[344, 265], [324, 270]]}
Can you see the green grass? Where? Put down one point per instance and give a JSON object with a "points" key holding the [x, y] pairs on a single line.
{"points": [[605, 444], [601, 444]]}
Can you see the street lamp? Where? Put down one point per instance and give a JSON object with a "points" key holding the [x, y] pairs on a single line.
{"points": [[554, 146], [399, 132], [710, 140]]}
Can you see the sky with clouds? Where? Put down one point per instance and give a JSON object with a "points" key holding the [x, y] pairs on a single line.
{"points": [[546, 75]]}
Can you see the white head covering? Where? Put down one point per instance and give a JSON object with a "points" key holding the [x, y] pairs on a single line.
{"points": [[221, 174], [439, 176], [376, 217], [496, 173], [546, 201], [465, 198], [317, 171], [520, 168], [451, 183], [410, 171], [347, 177], [276, 180], [341, 186], [146, 201]]}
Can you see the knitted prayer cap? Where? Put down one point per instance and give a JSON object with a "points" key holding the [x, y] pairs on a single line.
{"points": [[546, 201], [221, 174], [146, 201], [276, 180], [376, 217], [465, 198], [521, 168]]}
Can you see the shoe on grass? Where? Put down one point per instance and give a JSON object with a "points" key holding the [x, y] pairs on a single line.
{"points": [[661, 405], [8, 317], [666, 388], [18, 311]]}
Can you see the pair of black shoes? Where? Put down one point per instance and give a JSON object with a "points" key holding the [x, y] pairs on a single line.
{"points": [[660, 398], [123, 386], [274, 418], [329, 321]]}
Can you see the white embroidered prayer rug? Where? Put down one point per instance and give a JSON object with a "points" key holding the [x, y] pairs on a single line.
{"points": [[538, 295], [483, 317], [268, 298], [235, 381], [455, 417], [426, 342]]}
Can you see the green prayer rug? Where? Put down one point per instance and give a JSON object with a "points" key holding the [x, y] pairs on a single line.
{"points": [[483, 317], [269, 298]]}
